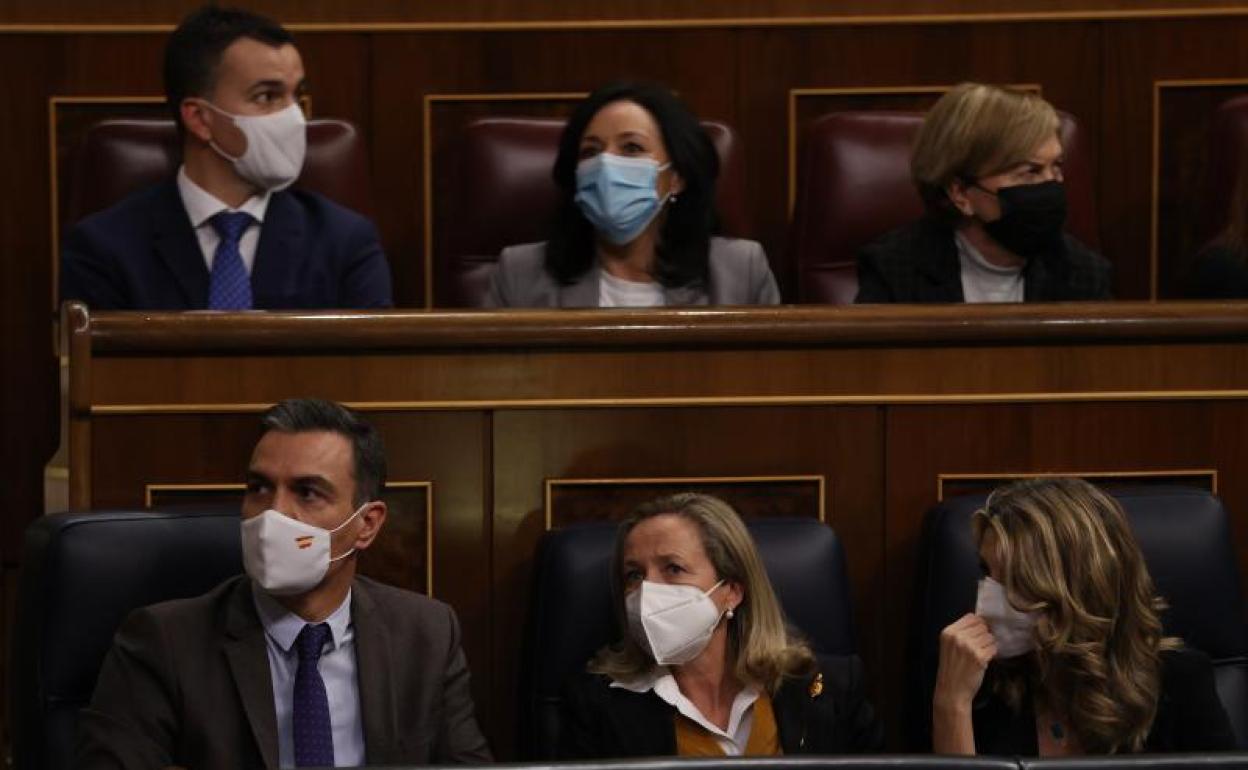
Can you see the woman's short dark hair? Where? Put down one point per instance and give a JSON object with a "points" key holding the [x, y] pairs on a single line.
{"points": [[194, 50], [684, 241], [300, 415]]}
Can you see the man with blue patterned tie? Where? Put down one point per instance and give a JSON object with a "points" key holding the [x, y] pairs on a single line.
{"points": [[299, 662], [225, 233]]}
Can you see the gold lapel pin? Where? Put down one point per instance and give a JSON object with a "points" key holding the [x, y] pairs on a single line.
{"points": [[816, 687]]}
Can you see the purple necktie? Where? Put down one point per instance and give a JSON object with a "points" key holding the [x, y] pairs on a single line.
{"points": [[313, 734], [229, 286]]}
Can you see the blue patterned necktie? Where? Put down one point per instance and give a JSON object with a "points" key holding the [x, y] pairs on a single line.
{"points": [[313, 734], [229, 286]]}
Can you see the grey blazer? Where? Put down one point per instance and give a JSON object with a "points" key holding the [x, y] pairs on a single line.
{"points": [[187, 683], [739, 275]]}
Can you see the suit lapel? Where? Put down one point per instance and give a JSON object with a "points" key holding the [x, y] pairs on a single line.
{"points": [[643, 723], [278, 252], [791, 705], [940, 272], [176, 245], [249, 665], [373, 673], [583, 293]]}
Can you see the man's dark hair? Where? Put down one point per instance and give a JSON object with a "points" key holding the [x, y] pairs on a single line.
{"points": [[299, 415], [194, 50], [685, 240]]}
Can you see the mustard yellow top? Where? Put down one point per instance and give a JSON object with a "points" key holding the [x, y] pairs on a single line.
{"points": [[694, 740]]}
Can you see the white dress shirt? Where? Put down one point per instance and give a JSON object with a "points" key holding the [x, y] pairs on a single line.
{"points": [[740, 719], [983, 281], [618, 292], [338, 671], [202, 205]]}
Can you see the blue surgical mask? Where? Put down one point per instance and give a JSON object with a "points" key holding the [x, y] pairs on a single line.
{"points": [[619, 196]]}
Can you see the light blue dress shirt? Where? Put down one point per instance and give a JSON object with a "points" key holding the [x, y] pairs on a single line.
{"points": [[337, 667]]}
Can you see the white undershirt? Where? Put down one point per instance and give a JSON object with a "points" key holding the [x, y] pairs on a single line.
{"points": [[740, 719], [202, 205], [983, 281], [618, 292]]}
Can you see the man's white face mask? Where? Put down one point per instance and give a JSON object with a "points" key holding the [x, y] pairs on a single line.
{"points": [[276, 146], [286, 556], [672, 622]]}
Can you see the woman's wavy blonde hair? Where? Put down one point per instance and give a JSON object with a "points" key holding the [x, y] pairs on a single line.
{"points": [[764, 651], [1067, 553]]}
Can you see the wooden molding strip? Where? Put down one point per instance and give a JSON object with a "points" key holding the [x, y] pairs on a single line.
{"points": [[770, 22]]}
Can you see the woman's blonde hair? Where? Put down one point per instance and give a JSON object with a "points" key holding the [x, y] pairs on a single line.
{"points": [[974, 131], [1066, 552], [764, 650]]}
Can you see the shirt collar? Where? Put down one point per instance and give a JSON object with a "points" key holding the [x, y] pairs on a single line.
{"points": [[660, 680], [202, 205], [283, 626]]}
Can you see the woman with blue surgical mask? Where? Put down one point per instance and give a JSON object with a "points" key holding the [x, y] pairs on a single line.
{"points": [[1065, 653], [636, 173], [707, 666]]}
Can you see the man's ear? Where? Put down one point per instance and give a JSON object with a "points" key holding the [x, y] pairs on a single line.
{"points": [[374, 516], [958, 193], [196, 119]]}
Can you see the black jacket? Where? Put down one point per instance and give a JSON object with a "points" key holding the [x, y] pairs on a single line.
{"points": [[603, 722], [1190, 717], [919, 263]]}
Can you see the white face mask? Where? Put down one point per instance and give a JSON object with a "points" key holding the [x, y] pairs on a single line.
{"points": [[276, 144], [672, 622], [286, 556], [1014, 631]]}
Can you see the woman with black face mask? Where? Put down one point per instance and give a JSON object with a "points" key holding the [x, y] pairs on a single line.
{"points": [[988, 164]]}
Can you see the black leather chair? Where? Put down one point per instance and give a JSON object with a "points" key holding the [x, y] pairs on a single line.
{"points": [[1186, 539], [571, 616], [82, 573], [1141, 762]]}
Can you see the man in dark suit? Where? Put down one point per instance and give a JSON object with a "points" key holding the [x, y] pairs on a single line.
{"points": [[299, 662], [225, 233]]}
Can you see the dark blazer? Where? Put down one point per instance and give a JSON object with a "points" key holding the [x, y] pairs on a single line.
{"points": [[604, 722], [1190, 717], [1220, 272], [187, 683], [142, 254], [919, 263], [739, 275]]}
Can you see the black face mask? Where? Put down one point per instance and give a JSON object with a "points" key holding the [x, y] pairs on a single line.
{"points": [[1031, 220]]}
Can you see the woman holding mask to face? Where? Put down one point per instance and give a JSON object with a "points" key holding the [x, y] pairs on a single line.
{"points": [[988, 164], [1065, 653], [707, 666], [637, 176]]}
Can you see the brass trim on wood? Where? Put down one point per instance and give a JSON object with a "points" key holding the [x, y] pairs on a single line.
{"points": [[745, 22], [872, 399], [427, 154], [550, 484], [1210, 473], [148, 489], [1155, 205]]}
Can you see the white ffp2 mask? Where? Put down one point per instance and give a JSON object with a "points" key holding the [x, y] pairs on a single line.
{"points": [[276, 146], [286, 556], [672, 622], [1013, 630]]}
